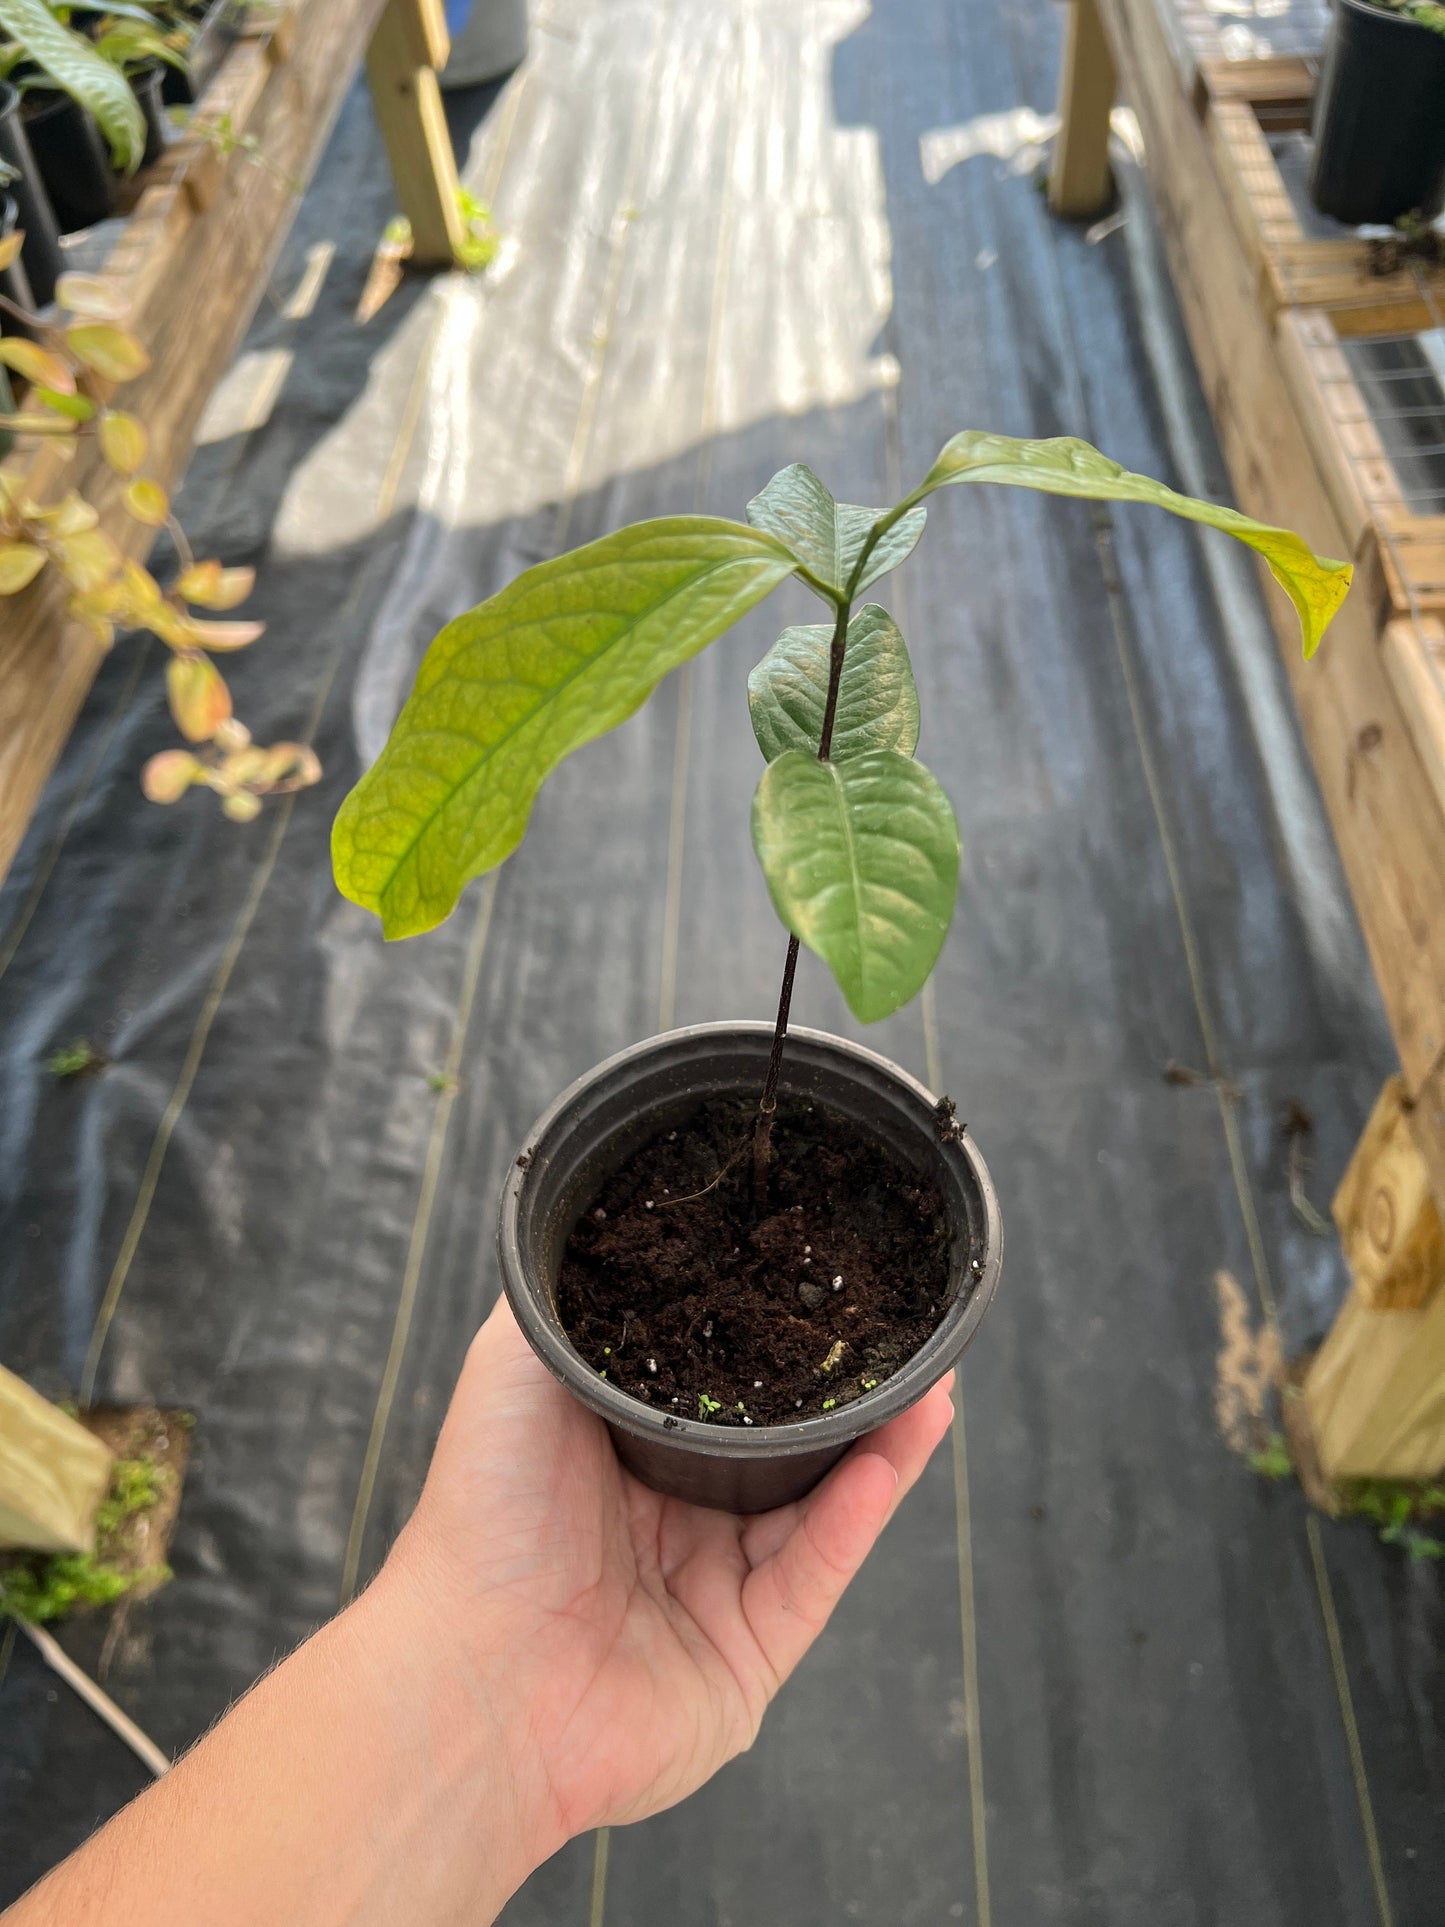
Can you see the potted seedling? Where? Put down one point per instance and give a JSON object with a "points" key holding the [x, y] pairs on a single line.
{"points": [[742, 1245], [1379, 115]]}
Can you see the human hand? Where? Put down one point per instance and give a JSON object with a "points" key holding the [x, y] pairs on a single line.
{"points": [[627, 1643]]}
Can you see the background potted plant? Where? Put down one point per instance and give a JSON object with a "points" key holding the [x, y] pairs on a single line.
{"points": [[76, 104], [41, 252], [1379, 114], [713, 1238]]}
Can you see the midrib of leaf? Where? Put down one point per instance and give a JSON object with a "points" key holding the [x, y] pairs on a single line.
{"points": [[524, 722]]}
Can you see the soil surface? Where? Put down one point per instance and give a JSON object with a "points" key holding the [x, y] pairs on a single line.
{"points": [[695, 1304]]}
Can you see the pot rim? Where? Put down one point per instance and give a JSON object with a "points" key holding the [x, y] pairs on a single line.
{"points": [[1373, 12], [800, 1436]]}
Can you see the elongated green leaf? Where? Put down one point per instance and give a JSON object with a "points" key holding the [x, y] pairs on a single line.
{"points": [[564, 653], [861, 859], [877, 700], [826, 536], [75, 67], [1064, 465]]}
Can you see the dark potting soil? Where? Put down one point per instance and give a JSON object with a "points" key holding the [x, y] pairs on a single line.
{"points": [[695, 1303]]}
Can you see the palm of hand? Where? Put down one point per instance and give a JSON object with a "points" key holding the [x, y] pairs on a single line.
{"points": [[640, 1638]]}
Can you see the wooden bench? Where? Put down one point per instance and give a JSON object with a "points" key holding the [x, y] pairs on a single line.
{"points": [[1278, 320], [189, 266]]}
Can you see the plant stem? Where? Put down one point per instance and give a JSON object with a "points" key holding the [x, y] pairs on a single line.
{"points": [[768, 1103]]}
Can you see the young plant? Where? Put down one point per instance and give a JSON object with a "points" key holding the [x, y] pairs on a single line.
{"points": [[857, 841], [72, 371]]}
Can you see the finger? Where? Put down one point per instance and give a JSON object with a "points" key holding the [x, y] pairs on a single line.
{"points": [[789, 1598], [906, 1442]]}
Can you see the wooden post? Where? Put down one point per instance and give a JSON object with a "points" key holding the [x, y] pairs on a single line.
{"points": [[1376, 1391], [409, 44], [1080, 181], [53, 1473]]}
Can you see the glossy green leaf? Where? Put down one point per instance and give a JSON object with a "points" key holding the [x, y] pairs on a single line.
{"points": [[1064, 465], [827, 537], [877, 700], [567, 651], [861, 859], [75, 67]]}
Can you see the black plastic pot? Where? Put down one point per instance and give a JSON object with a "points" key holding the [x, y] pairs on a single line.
{"points": [[147, 84], [597, 1124], [42, 256], [1379, 118], [71, 154], [213, 35], [14, 281]]}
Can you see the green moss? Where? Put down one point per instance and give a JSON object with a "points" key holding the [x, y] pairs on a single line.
{"points": [[1273, 1461], [48, 1586]]}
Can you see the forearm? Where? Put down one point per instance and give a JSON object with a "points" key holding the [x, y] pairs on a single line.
{"points": [[364, 1781]]}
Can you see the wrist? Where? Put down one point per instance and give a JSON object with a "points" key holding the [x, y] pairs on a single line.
{"points": [[460, 1740]]}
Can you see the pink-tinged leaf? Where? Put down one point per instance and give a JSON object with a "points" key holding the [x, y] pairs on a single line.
{"points": [[113, 353], [91, 296], [36, 364], [210, 586], [167, 777], [225, 636], [70, 516], [122, 442], [241, 806], [294, 765], [20, 563], [200, 700], [148, 503], [89, 558]]}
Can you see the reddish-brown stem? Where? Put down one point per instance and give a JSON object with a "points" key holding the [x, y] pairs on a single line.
{"points": [[768, 1103]]}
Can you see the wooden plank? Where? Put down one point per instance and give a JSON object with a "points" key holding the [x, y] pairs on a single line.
{"points": [[1388, 1224], [408, 104], [1381, 803], [1282, 79], [53, 1473], [192, 281], [1376, 1393], [1081, 182], [1414, 657]]}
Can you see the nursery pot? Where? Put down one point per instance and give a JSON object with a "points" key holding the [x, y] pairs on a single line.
{"points": [[14, 282], [204, 54], [490, 42], [147, 84], [41, 254], [1379, 118], [71, 154], [594, 1127]]}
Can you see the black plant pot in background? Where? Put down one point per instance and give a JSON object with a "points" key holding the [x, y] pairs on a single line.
{"points": [[596, 1126], [14, 281], [71, 154], [148, 86], [1379, 118], [213, 35], [42, 257]]}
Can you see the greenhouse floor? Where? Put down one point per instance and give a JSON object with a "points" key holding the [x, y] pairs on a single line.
{"points": [[1100, 1671]]}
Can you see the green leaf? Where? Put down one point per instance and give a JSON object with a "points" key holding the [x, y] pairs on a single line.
{"points": [[1063, 465], [877, 700], [827, 537], [861, 859], [567, 651], [75, 67]]}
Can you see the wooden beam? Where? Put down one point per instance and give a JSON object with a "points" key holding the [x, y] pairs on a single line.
{"points": [[53, 1473], [1081, 182], [1388, 1223], [1376, 1393], [408, 104], [190, 281]]}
